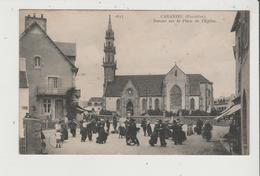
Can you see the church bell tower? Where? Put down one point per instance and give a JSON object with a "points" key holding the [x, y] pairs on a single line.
{"points": [[109, 62]]}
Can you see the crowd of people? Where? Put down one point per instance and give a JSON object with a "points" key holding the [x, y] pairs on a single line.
{"points": [[128, 129]]}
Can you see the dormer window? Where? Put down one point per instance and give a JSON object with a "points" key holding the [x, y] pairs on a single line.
{"points": [[37, 62]]}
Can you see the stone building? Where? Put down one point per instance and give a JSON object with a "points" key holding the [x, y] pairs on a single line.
{"points": [[241, 53], [50, 69], [137, 94]]}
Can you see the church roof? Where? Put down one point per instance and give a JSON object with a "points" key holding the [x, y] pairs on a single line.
{"points": [[147, 85], [194, 81], [150, 85], [69, 49]]}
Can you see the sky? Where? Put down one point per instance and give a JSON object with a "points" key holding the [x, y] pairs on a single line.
{"points": [[147, 42]]}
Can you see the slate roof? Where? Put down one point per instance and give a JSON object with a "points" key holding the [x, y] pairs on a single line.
{"points": [[194, 81], [69, 49], [52, 42], [146, 85], [23, 82], [150, 85]]}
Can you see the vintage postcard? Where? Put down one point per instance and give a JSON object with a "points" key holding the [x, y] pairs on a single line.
{"points": [[134, 82]]}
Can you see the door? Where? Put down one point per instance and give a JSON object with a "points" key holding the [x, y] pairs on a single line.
{"points": [[130, 108], [59, 109]]}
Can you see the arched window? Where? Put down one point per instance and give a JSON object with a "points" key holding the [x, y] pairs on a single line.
{"points": [[144, 105], [37, 61], [156, 104], [150, 103], [118, 105], [192, 104], [175, 97]]}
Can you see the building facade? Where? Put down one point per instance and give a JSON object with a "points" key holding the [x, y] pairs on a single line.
{"points": [[95, 104], [241, 53], [222, 103], [50, 68], [137, 94]]}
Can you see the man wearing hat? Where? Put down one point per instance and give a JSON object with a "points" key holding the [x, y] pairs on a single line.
{"points": [[154, 135], [161, 133]]}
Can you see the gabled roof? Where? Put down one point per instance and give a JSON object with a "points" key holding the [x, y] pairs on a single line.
{"points": [[23, 82], [194, 81], [35, 24], [146, 85], [69, 49]]}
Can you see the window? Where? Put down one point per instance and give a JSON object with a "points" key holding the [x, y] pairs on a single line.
{"points": [[118, 105], [144, 104], [90, 104], [52, 82], [150, 103], [95, 104], [239, 81], [156, 104], [47, 106], [37, 62], [192, 104], [176, 73]]}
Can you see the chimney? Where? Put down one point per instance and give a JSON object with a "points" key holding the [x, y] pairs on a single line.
{"points": [[41, 21]]}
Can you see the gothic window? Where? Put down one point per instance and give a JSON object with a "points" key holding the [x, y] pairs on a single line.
{"points": [[192, 104], [156, 104], [37, 62], [175, 97], [150, 103], [144, 105], [176, 73], [118, 105]]}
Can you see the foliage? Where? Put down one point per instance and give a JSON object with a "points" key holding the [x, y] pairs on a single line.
{"points": [[70, 105]]}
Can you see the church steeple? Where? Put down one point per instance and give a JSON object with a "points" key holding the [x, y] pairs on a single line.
{"points": [[109, 62]]}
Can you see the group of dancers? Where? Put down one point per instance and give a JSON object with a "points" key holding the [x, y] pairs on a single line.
{"points": [[128, 129]]}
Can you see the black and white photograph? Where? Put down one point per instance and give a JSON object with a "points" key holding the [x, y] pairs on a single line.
{"points": [[134, 82]]}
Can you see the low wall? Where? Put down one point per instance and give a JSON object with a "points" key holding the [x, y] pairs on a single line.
{"points": [[184, 119], [32, 135]]}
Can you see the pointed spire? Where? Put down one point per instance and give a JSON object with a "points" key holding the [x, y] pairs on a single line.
{"points": [[109, 23]]}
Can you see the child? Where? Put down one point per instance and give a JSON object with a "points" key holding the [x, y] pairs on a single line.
{"points": [[58, 139], [122, 131]]}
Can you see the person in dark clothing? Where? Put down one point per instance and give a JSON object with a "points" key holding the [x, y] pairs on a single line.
{"points": [[132, 131], [154, 136], [102, 134], [198, 127], [115, 124], [84, 131], [90, 126], [64, 132], [162, 133], [108, 125], [149, 129], [144, 125], [73, 127], [127, 132], [122, 131], [207, 131]]}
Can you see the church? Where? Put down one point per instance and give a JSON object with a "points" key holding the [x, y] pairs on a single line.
{"points": [[136, 94]]}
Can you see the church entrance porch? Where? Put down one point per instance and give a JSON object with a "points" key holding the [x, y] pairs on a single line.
{"points": [[175, 98], [130, 108]]}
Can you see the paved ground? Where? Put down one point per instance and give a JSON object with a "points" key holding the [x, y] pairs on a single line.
{"points": [[194, 145]]}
